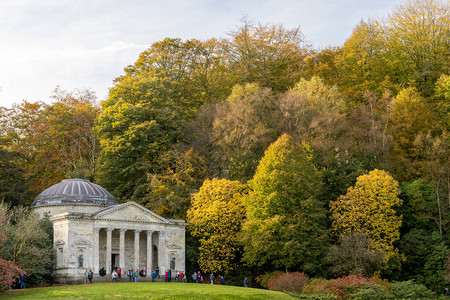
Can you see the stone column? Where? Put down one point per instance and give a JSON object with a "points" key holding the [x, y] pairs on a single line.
{"points": [[136, 248], [96, 254], [161, 253], [122, 249], [108, 250], [149, 251]]}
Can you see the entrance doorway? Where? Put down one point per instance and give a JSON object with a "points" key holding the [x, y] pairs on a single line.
{"points": [[155, 256], [115, 261]]}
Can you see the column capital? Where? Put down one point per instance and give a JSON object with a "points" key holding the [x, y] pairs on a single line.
{"points": [[122, 230], [109, 230], [137, 231], [150, 232]]}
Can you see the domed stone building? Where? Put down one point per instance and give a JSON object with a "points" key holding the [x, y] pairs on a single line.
{"points": [[92, 230]]}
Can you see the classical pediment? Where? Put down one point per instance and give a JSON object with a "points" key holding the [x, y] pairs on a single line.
{"points": [[82, 242], [130, 211], [59, 242]]}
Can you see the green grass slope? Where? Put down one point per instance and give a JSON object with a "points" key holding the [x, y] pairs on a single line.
{"points": [[153, 290]]}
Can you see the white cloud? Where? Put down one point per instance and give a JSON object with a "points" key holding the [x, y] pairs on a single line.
{"points": [[87, 43]]}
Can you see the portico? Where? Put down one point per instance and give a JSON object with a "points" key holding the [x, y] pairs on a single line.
{"points": [[134, 248]]}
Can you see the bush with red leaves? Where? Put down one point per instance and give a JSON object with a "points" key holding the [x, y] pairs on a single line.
{"points": [[288, 282], [8, 273], [344, 286]]}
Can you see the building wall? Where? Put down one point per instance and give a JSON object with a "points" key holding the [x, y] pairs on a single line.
{"points": [[57, 209], [74, 244]]}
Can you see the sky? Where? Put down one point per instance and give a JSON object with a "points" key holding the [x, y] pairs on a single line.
{"points": [[79, 44]]}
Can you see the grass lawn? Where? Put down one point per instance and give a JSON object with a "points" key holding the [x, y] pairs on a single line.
{"points": [[144, 290]]}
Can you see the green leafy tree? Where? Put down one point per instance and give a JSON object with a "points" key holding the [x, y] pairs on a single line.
{"points": [[369, 207], [149, 107], [215, 217], [434, 268], [285, 226], [13, 187]]}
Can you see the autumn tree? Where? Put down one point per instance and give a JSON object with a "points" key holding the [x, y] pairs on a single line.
{"points": [[411, 116], [56, 140], [285, 226], [369, 208], [269, 55], [314, 111], [243, 127], [215, 217], [417, 35], [169, 193], [362, 63]]}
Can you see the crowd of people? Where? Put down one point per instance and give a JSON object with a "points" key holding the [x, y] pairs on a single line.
{"points": [[134, 274]]}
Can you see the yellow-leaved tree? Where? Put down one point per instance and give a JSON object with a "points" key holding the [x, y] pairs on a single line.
{"points": [[368, 208], [215, 218]]}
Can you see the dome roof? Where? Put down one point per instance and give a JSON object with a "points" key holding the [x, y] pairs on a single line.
{"points": [[75, 191]]}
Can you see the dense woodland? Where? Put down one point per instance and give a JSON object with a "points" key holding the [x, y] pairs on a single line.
{"points": [[281, 156]]}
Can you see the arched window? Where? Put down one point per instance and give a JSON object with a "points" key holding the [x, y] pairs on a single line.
{"points": [[80, 261], [59, 257]]}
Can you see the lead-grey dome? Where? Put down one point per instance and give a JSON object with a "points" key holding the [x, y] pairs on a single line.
{"points": [[75, 191]]}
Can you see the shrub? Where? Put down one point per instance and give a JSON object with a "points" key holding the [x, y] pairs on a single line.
{"points": [[411, 290], [317, 286], [347, 285], [288, 282], [372, 292], [8, 273], [318, 297], [264, 279]]}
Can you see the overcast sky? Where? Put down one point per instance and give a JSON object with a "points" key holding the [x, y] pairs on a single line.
{"points": [[87, 43]]}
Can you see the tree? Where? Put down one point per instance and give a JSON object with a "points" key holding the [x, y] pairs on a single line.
{"points": [[285, 226], [27, 243], [417, 34], [435, 167], [410, 116], [434, 267], [8, 270], [421, 210], [149, 107], [314, 111], [13, 187], [268, 55], [354, 256], [169, 193], [243, 127], [362, 62], [54, 141], [215, 217], [369, 207]]}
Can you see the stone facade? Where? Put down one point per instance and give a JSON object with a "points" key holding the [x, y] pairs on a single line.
{"points": [[126, 235]]}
